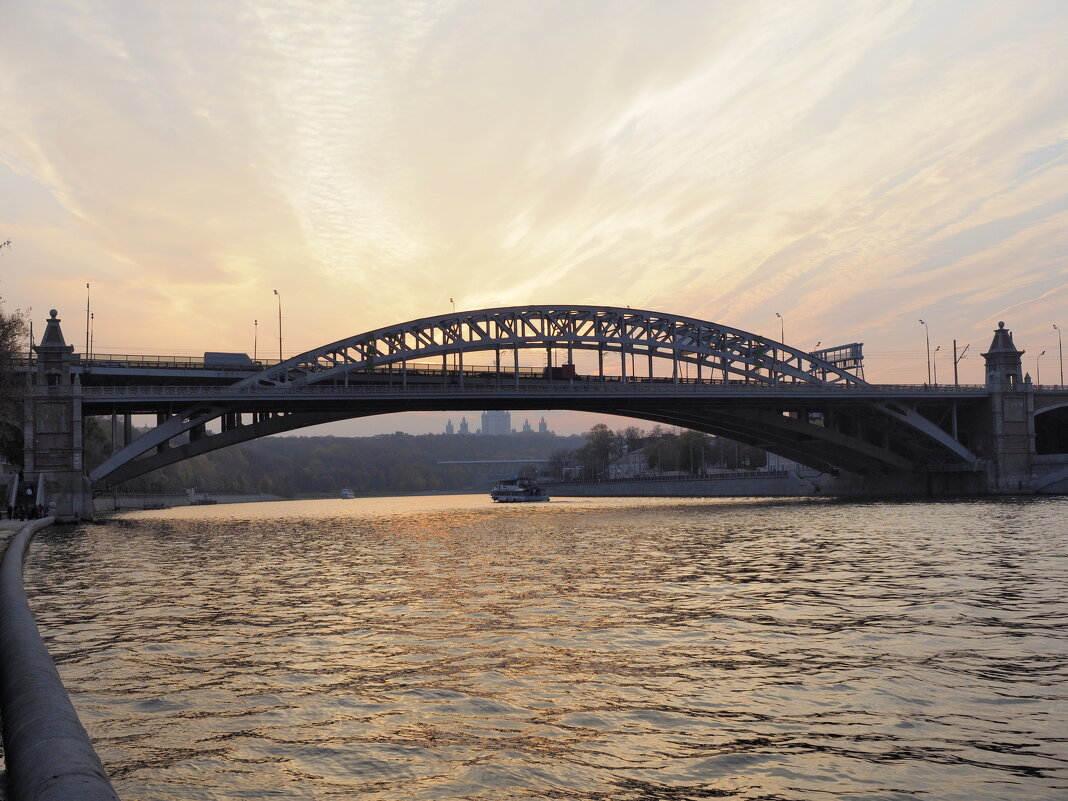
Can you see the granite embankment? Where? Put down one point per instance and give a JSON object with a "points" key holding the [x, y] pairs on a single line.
{"points": [[740, 483], [48, 754]]}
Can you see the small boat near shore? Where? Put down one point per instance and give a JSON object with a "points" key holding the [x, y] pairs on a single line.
{"points": [[518, 490]]}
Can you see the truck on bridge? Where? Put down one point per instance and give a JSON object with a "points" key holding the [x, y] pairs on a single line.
{"points": [[217, 360]]}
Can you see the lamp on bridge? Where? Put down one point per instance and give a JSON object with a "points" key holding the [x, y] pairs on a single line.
{"points": [[928, 332], [1060, 351], [782, 328], [934, 358], [279, 325], [956, 361], [1038, 368]]}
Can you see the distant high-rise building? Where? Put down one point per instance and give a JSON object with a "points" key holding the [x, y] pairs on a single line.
{"points": [[449, 428], [463, 426], [526, 427], [543, 427], [497, 422]]}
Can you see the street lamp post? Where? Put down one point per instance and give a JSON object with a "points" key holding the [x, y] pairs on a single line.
{"points": [[928, 333], [92, 324], [782, 328], [279, 324], [87, 319], [1038, 368], [1060, 351], [255, 337], [956, 361], [935, 362]]}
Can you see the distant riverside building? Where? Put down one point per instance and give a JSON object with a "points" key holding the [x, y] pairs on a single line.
{"points": [[630, 465], [497, 422]]}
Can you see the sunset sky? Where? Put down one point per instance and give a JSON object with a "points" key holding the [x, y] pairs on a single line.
{"points": [[854, 166]]}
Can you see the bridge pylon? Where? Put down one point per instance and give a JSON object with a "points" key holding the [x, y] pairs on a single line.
{"points": [[1012, 409], [53, 462]]}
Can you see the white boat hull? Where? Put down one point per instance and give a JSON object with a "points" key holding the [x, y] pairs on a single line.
{"points": [[520, 499]]}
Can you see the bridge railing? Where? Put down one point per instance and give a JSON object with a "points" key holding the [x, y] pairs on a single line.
{"points": [[527, 387], [134, 360], [483, 372], [127, 360]]}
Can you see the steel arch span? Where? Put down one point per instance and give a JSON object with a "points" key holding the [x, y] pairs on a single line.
{"points": [[717, 351], [336, 374]]}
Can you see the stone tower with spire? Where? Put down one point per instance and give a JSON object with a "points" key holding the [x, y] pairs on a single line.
{"points": [[1012, 412], [1004, 364], [52, 430]]}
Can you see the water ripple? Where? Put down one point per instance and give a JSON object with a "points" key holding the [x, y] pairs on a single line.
{"points": [[444, 648]]}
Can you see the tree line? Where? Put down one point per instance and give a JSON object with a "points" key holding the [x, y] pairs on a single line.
{"points": [[399, 463], [294, 466], [663, 451]]}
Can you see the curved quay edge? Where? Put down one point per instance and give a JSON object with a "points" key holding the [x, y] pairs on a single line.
{"points": [[49, 754]]}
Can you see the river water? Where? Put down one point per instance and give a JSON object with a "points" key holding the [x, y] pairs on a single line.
{"points": [[446, 648]]}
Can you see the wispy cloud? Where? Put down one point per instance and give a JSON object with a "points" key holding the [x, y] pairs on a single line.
{"points": [[852, 166]]}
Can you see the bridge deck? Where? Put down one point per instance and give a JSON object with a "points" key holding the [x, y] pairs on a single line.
{"points": [[485, 391]]}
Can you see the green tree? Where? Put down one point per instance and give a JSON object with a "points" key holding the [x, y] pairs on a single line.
{"points": [[662, 455], [601, 447], [631, 437], [13, 330], [694, 449], [96, 439], [732, 455], [559, 462]]}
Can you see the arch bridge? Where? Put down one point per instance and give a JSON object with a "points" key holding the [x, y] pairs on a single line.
{"points": [[641, 364]]}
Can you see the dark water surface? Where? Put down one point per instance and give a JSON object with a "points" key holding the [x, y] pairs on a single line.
{"points": [[446, 648]]}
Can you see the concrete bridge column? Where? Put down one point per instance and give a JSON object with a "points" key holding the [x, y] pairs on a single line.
{"points": [[160, 420], [116, 444]]}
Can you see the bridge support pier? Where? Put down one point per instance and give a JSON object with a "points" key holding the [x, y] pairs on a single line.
{"points": [[52, 432], [1012, 407], [1012, 441]]}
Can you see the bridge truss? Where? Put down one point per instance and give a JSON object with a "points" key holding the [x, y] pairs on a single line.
{"points": [[747, 387], [715, 351]]}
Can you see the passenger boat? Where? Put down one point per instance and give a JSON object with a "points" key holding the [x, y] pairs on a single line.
{"points": [[518, 490], [347, 494]]}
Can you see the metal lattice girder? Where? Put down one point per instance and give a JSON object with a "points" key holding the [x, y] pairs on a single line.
{"points": [[725, 353], [720, 353]]}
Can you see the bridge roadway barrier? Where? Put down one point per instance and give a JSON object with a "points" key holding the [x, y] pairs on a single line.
{"points": [[48, 752], [591, 388]]}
